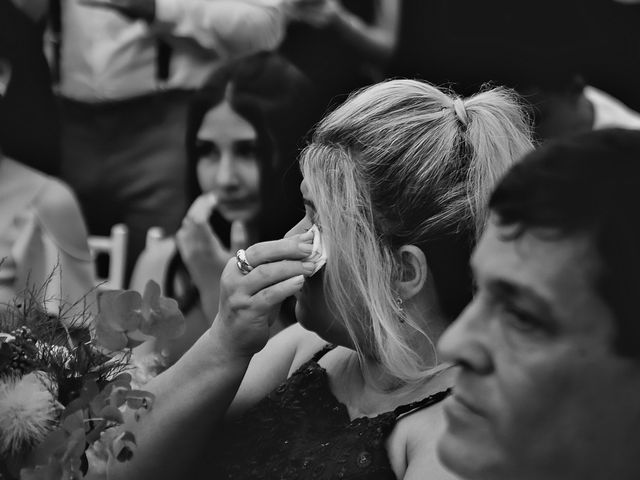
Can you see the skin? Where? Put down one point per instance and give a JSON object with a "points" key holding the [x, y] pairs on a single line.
{"points": [[228, 165], [540, 392], [229, 175], [411, 450], [228, 172], [375, 42], [236, 363]]}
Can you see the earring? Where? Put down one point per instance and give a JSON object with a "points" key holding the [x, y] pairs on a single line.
{"points": [[400, 304]]}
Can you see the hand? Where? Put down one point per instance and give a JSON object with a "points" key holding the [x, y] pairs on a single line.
{"points": [[318, 13], [134, 9], [202, 251], [249, 303]]}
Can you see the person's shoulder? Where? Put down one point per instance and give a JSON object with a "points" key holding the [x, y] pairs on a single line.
{"points": [[412, 445], [56, 197], [295, 343]]}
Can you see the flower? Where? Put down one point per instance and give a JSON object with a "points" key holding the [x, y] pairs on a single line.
{"points": [[65, 388], [28, 413]]}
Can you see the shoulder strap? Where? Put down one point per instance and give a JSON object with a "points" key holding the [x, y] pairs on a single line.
{"points": [[420, 404], [163, 60], [318, 355]]}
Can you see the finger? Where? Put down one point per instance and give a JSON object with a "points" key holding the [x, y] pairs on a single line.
{"points": [[202, 207], [277, 293], [239, 235], [295, 247], [192, 233], [268, 274]]}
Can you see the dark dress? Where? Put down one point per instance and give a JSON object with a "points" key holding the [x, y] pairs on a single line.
{"points": [[301, 431]]}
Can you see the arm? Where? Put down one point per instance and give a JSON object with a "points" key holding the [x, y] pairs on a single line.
{"points": [[225, 27], [192, 397], [62, 256], [375, 42], [284, 353]]}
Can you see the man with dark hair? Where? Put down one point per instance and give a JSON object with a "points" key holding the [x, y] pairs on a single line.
{"points": [[549, 348]]}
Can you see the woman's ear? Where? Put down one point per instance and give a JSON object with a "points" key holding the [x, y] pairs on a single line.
{"points": [[414, 271]]}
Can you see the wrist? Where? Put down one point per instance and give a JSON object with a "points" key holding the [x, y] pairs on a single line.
{"points": [[224, 345]]}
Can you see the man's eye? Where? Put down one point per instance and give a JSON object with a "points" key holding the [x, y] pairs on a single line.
{"points": [[522, 320]]}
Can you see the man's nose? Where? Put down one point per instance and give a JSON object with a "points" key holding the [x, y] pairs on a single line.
{"points": [[465, 342]]}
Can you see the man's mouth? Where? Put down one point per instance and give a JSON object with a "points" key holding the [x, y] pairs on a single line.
{"points": [[459, 407]]}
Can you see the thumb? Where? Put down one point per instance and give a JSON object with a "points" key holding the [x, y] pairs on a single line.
{"points": [[239, 236]]}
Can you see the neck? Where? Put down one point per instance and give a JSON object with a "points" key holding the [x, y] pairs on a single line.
{"points": [[368, 390]]}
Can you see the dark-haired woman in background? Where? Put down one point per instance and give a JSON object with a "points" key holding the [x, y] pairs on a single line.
{"points": [[242, 136]]}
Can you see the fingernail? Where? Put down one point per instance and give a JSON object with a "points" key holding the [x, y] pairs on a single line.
{"points": [[309, 266], [305, 248]]}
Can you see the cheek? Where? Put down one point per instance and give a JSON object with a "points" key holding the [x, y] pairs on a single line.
{"points": [[250, 174], [299, 228], [206, 173]]}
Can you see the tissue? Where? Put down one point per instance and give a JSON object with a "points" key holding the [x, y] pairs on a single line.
{"points": [[319, 253]]}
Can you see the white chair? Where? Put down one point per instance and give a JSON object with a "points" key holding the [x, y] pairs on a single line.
{"points": [[115, 246], [154, 235]]}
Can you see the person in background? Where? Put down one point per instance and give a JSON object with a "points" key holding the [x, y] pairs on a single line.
{"points": [[563, 105], [44, 256], [29, 118], [243, 129], [125, 70], [341, 45], [395, 185], [548, 349]]}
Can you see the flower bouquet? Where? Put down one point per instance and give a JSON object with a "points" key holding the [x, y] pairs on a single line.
{"points": [[66, 382]]}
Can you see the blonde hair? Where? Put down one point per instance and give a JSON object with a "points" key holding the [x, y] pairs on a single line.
{"points": [[398, 164]]}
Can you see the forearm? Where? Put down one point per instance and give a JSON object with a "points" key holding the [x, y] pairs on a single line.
{"points": [[227, 27], [192, 397]]}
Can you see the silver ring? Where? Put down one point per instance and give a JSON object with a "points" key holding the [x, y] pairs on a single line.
{"points": [[241, 262]]}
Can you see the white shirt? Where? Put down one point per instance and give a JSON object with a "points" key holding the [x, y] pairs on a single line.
{"points": [[609, 112], [106, 56]]}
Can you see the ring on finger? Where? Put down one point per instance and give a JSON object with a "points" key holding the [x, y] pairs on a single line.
{"points": [[241, 261]]}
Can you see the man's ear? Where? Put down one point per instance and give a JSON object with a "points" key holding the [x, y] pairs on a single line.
{"points": [[414, 271], [5, 76]]}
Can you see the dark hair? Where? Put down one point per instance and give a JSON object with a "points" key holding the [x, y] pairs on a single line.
{"points": [[586, 185], [265, 90]]}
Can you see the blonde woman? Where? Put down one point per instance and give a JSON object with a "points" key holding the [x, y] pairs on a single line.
{"points": [[396, 181]]}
